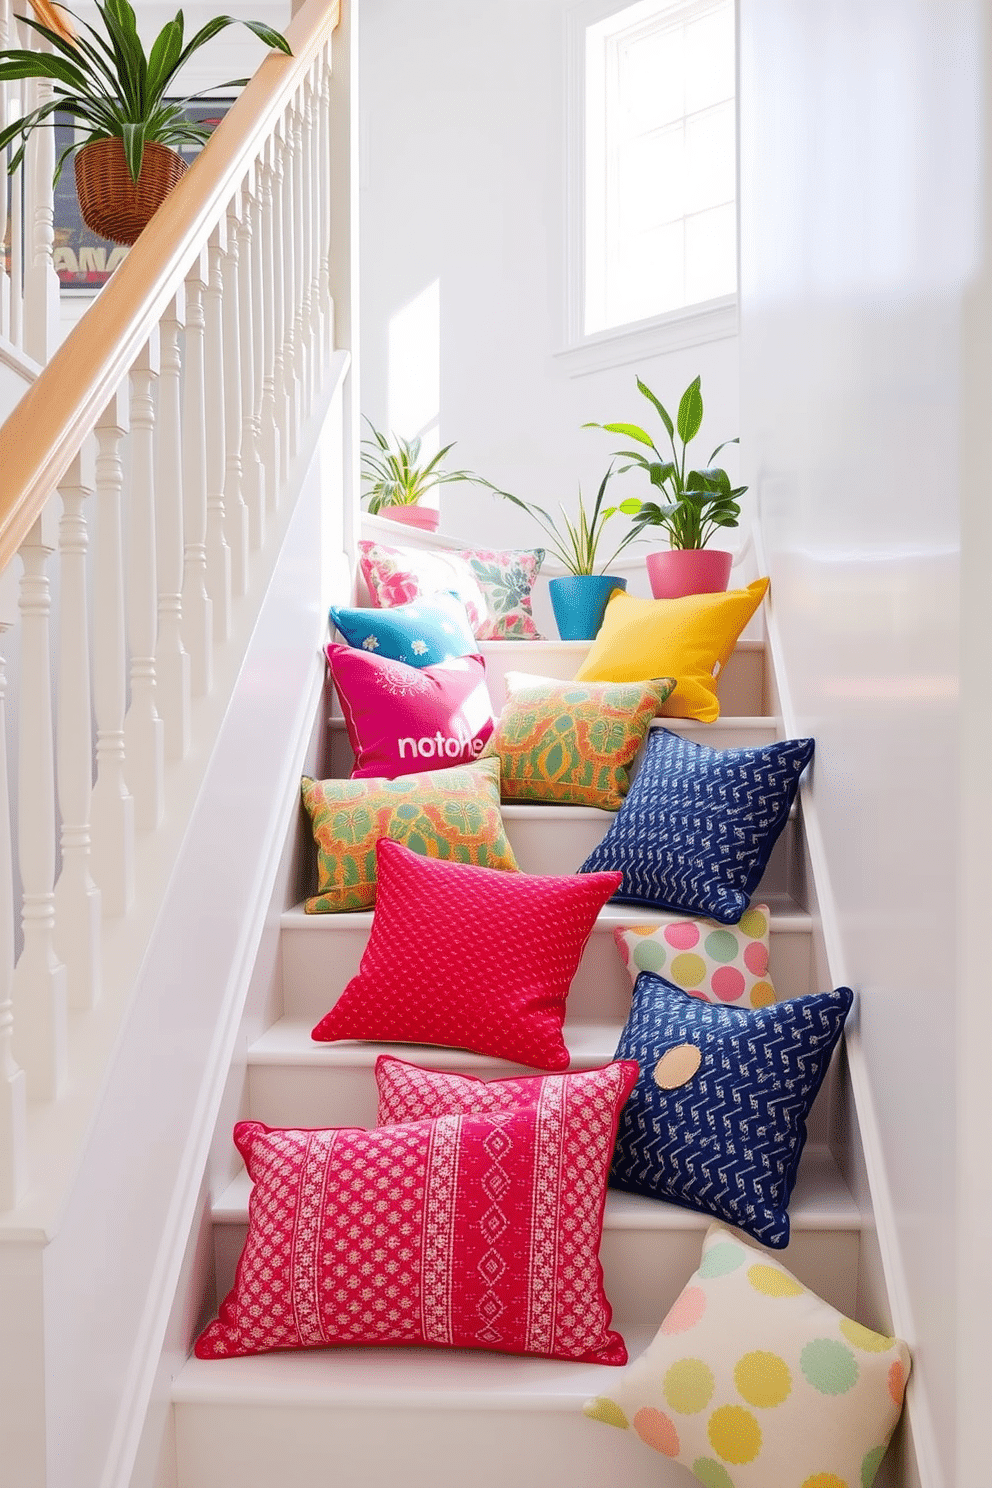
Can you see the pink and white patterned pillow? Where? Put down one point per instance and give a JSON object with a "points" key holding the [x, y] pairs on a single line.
{"points": [[494, 585], [407, 1092], [478, 1231]]}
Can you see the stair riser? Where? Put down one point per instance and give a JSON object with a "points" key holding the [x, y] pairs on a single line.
{"points": [[318, 961], [644, 1270], [385, 1445]]}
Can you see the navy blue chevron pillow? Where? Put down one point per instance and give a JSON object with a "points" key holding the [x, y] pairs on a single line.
{"points": [[717, 1119], [698, 825]]}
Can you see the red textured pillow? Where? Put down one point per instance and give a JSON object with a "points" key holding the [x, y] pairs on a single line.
{"points": [[466, 1232], [407, 1092], [469, 958]]}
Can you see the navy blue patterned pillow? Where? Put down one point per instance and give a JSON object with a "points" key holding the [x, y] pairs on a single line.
{"points": [[717, 1119], [698, 825]]}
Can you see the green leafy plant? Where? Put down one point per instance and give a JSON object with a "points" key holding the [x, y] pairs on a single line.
{"points": [[696, 502], [111, 88], [576, 543], [393, 474]]}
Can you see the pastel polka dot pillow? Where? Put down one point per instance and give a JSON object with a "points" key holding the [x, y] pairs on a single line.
{"points": [[717, 963], [753, 1381]]}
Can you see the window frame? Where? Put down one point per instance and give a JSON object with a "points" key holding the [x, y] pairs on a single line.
{"points": [[690, 325]]}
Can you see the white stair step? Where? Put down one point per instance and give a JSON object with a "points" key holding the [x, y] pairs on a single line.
{"points": [[316, 968], [362, 1418], [650, 1248], [742, 687]]}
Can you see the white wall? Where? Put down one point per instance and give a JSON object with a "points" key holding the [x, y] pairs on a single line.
{"points": [[463, 185], [864, 277]]}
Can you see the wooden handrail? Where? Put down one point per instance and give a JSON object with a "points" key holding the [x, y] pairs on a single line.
{"points": [[46, 430]]}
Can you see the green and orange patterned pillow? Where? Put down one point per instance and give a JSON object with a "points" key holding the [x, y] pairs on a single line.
{"points": [[451, 814], [572, 743]]}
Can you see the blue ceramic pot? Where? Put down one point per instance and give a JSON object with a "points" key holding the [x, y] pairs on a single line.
{"points": [[579, 602]]}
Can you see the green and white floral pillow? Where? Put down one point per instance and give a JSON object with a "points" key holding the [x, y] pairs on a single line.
{"points": [[753, 1381]]}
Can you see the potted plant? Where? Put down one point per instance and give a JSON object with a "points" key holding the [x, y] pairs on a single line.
{"points": [[579, 600], [126, 160], [692, 504], [396, 481]]}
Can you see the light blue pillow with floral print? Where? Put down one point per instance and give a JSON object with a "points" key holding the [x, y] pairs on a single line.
{"points": [[422, 633]]}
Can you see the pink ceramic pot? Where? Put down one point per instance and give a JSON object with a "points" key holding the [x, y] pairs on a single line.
{"points": [[679, 571], [427, 518]]}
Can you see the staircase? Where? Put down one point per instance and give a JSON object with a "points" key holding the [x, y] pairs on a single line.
{"points": [[378, 1416]]}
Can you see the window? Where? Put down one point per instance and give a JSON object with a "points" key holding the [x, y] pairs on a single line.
{"points": [[654, 185]]}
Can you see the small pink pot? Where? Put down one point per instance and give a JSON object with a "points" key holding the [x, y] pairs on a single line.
{"points": [[427, 518], [676, 572]]}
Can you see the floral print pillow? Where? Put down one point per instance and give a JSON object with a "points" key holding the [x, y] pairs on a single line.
{"points": [[494, 586]]}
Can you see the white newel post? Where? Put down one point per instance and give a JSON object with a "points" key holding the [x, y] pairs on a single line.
{"points": [[113, 805], [272, 435], [218, 552], [253, 471], [197, 608], [171, 657], [41, 290], [13, 1084], [77, 898], [235, 510], [143, 731], [40, 1003]]}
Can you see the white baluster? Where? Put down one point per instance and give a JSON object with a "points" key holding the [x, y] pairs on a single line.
{"points": [[39, 988], [291, 275], [235, 510], [253, 471], [171, 657], [17, 256], [197, 608], [143, 731], [77, 898], [301, 191], [272, 435], [13, 1084], [326, 307], [41, 288], [218, 552], [113, 805], [279, 228], [311, 285]]}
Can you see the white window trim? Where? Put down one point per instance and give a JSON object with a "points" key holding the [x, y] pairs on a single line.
{"points": [[693, 325]]}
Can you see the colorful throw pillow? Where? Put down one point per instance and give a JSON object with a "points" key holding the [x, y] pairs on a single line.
{"points": [[466, 1232], [494, 586], [469, 959], [717, 1119], [451, 814], [409, 1093], [403, 719], [572, 742], [698, 825], [753, 1381], [719, 963], [419, 634], [690, 639]]}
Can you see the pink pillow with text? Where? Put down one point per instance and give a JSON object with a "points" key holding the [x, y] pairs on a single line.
{"points": [[402, 720]]}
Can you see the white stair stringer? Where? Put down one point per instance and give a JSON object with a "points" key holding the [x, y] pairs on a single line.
{"points": [[372, 1417]]}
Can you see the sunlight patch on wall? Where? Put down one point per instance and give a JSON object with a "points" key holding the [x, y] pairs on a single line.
{"points": [[414, 369]]}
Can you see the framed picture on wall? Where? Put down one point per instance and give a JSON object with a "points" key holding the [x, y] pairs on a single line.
{"points": [[83, 260]]}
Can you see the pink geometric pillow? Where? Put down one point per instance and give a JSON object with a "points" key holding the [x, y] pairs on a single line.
{"points": [[494, 585], [409, 1093], [469, 958], [402, 719], [465, 1232]]}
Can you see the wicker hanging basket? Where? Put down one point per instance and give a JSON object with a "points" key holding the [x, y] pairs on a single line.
{"points": [[110, 203]]}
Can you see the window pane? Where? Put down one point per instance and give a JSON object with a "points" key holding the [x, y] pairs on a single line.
{"points": [[647, 277], [710, 254], [710, 165], [651, 78], [709, 59], [651, 181]]}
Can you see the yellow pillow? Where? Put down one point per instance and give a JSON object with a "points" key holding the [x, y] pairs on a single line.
{"points": [[690, 639]]}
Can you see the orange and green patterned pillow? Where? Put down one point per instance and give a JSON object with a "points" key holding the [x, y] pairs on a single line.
{"points": [[449, 814], [572, 742]]}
